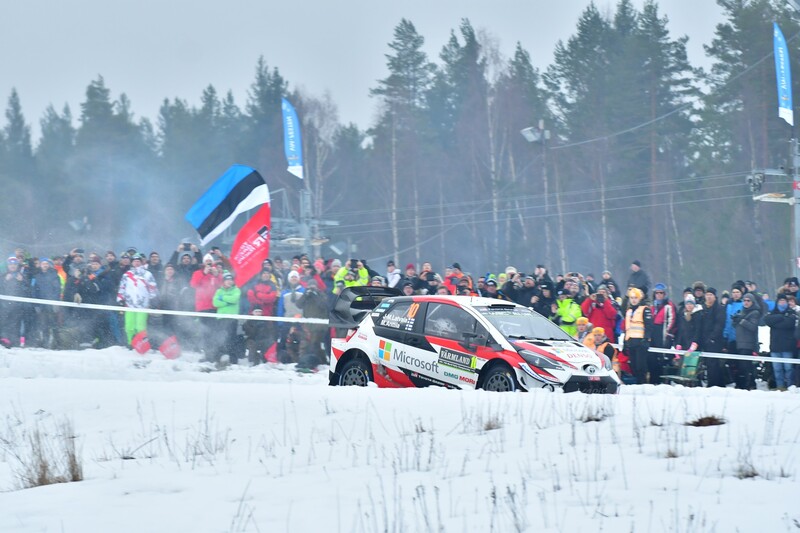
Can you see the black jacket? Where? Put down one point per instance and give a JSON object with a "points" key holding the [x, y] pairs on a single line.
{"points": [[781, 330], [714, 318], [746, 322], [689, 331]]}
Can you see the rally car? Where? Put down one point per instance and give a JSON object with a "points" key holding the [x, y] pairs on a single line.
{"points": [[461, 342]]}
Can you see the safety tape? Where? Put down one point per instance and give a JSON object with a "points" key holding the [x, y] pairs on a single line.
{"points": [[117, 308], [736, 357]]}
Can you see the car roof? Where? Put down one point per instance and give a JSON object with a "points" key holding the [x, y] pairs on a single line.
{"points": [[462, 301]]}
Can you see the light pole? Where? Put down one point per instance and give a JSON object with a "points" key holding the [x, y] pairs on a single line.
{"points": [[541, 135]]}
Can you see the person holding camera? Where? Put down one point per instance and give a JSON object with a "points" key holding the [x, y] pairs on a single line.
{"points": [[315, 341], [601, 311], [187, 259], [353, 274], [205, 283]]}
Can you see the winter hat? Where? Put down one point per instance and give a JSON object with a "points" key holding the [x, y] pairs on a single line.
{"points": [[337, 264], [227, 275], [780, 297], [186, 254], [491, 282], [699, 285], [294, 275], [12, 260], [319, 265], [582, 320], [634, 291], [660, 287], [602, 287], [410, 266], [599, 330], [689, 299], [511, 270], [637, 263], [456, 265], [750, 297], [711, 290], [208, 257], [389, 263], [45, 260]]}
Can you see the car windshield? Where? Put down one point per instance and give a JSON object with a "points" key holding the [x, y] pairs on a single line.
{"points": [[522, 323]]}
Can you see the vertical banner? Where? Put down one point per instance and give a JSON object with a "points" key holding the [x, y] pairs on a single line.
{"points": [[783, 75], [292, 142]]}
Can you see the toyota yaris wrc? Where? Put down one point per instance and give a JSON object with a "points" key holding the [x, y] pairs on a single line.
{"points": [[458, 342]]}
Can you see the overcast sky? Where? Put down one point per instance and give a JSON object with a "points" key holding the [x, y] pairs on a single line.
{"points": [[153, 49]]}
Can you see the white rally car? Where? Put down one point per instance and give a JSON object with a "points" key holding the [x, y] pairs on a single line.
{"points": [[457, 342]]}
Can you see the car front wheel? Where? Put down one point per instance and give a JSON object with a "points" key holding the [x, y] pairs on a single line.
{"points": [[500, 378], [355, 372]]}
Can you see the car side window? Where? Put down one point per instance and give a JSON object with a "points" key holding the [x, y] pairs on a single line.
{"points": [[451, 322], [401, 317]]}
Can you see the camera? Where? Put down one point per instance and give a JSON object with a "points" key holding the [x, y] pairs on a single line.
{"points": [[187, 246], [600, 298]]}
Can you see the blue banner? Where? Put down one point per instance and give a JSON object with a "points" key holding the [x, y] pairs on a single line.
{"points": [[292, 143], [783, 75]]}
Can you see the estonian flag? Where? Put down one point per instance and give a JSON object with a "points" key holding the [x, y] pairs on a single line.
{"points": [[240, 189]]}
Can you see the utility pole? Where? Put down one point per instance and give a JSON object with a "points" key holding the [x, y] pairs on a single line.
{"points": [[756, 179], [541, 135]]}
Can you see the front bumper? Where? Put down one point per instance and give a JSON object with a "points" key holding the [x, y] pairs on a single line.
{"points": [[592, 385]]}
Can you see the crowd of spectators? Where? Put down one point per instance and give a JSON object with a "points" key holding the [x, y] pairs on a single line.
{"points": [[623, 320]]}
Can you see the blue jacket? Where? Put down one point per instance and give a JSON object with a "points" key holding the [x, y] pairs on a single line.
{"points": [[730, 330]]}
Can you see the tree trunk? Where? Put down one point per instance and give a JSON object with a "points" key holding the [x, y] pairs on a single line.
{"points": [[562, 244], [395, 230]]}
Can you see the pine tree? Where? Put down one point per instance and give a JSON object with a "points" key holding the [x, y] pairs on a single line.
{"points": [[397, 135]]}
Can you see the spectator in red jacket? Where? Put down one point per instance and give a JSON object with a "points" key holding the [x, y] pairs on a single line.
{"points": [[601, 311], [263, 294], [205, 283]]}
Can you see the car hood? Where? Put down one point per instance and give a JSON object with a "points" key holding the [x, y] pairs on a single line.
{"points": [[570, 352]]}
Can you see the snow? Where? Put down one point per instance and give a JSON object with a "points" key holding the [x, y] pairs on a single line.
{"points": [[171, 446]]}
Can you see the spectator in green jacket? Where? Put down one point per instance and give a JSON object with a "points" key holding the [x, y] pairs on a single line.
{"points": [[353, 274], [226, 301], [565, 312]]}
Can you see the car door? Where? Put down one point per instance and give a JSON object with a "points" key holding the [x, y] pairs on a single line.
{"points": [[449, 340], [396, 327]]}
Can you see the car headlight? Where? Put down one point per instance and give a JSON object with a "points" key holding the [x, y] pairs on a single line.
{"points": [[540, 361]]}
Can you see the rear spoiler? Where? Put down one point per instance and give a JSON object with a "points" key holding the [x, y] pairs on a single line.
{"points": [[354, 303]]}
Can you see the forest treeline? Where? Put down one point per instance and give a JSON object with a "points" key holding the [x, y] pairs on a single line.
{"points": [[635, 154]]}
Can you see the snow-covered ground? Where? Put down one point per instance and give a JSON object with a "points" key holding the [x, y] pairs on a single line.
{"points": [[167, 446]]}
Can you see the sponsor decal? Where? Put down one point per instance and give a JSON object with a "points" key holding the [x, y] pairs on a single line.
{"points": [[418, 380], [252, 243], [402, 357], [362, 336], [569, 352], [461, 361], [458, 377], [384, 350]]}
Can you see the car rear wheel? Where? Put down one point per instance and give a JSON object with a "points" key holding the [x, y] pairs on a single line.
{"points": [[500, 378], [354, 373]]}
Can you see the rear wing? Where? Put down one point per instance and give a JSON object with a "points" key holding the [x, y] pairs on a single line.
{"points": [[354, 303]]}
